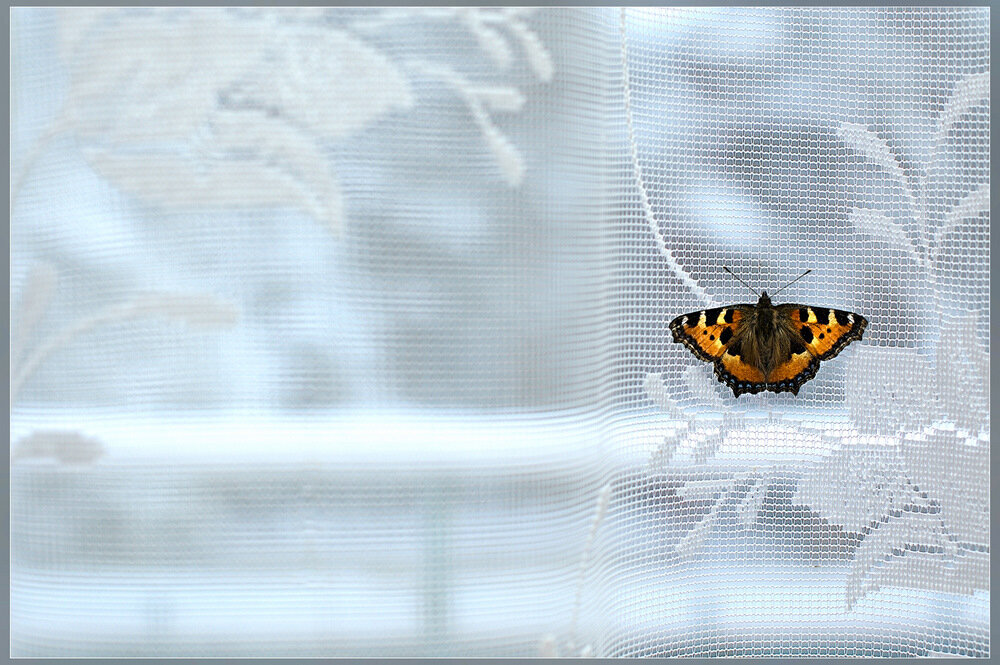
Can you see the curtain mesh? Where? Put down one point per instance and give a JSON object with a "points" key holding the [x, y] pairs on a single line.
{"points": [[344, 332]]}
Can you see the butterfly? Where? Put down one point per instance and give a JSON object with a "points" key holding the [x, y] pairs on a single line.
{"points": [[766, 346]]}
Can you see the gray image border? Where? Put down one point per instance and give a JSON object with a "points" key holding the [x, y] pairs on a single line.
{"points": [[994, 316]]}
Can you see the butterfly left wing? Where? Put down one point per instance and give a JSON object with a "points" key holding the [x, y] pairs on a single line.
{"points": [[707, 333], [716, 336], [817, 333]]}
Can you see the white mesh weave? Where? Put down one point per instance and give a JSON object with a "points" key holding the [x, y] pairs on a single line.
{"points": [[343, 332]]}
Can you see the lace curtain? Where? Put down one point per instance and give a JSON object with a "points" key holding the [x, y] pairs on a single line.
{"points": [[344, 332]]}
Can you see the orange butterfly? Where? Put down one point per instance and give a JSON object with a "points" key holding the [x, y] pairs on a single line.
{"points": [[764, 346]]}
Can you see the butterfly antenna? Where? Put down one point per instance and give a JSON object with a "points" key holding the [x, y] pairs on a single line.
{"points": [[726, 268], [793, 281]]}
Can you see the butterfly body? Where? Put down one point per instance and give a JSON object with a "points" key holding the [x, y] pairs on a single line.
{"points": [[766, 346]]}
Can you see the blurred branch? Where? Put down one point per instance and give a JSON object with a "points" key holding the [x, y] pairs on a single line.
{"points": [[194, 310]]}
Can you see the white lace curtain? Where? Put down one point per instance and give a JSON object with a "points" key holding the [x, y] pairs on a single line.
{"points": [[343, 332]]}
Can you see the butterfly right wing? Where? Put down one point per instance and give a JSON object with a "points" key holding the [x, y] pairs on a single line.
{"points": [[818, 333], [824, 331]]}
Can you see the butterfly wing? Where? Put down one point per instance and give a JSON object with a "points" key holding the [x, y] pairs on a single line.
{"points": [[716, 336], [789, 375], [824, 332], [709, 332], [733, 369], [817, 333]]}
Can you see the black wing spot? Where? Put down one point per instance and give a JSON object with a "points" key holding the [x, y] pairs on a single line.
{"points": [[822, 314], [726, 335], [736, 350], [807, 334], [712, 316], [730, 313], [841, 317], [821, 335], [803, 314], [797, 348], [712, 337]]}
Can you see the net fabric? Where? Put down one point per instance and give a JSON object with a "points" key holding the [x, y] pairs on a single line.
{"points": [[344, 332], [852, 518]]}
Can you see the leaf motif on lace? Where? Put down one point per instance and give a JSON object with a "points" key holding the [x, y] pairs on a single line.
{"points": [[886, 229], [856, 486], [693, 441], [927, 251], [914, 482], [889, 389], [920, 506], [971, 206], [192, 109], [876, 150], [932, 413], [489, 25], [699, 438], [218, 108], [967, 93], [932, 418]]}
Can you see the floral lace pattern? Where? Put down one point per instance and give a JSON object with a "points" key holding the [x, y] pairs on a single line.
{"points": [[906, 478], [254, 128]]}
